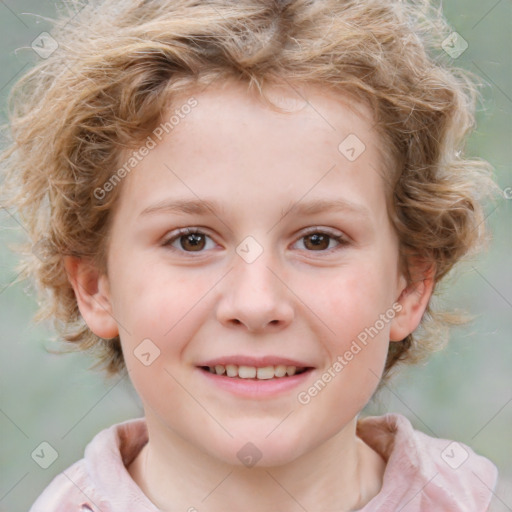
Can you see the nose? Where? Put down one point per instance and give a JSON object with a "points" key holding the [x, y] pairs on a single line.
{"points": [[255, 296]]}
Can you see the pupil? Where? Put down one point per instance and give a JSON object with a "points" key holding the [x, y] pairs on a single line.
{"points": [[319, 240], [194, 240]]}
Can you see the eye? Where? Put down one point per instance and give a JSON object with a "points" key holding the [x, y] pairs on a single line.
{"points": [[188, 240], [323, 241], [194, 240]]}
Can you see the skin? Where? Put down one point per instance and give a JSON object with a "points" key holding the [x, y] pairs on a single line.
{"points": [[295, 300]]}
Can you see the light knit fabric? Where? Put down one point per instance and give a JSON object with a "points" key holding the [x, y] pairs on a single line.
{"points": [[421, 472]]}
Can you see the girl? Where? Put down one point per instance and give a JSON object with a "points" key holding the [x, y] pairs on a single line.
{"points": [[246, 207]]}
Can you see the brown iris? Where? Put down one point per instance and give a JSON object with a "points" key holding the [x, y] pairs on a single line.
{"points": [[318, 241], [193, 241]]}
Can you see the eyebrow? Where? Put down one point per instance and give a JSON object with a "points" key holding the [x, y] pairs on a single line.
{"points": [[198, 207], [324, 205], [205, 207]]}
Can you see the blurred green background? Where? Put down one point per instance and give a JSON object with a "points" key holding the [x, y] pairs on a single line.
{"points": [[463, 393]]}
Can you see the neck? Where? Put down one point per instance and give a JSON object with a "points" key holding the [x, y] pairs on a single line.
{"points": [[343, 473]]}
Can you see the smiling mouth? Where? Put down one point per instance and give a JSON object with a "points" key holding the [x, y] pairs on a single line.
{"points": [[252, 372]]}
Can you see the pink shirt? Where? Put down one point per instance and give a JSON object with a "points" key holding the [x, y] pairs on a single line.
{"points": [[423, 474]]}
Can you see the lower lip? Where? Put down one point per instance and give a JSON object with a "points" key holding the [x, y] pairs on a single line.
{"points": [[255, 388]]}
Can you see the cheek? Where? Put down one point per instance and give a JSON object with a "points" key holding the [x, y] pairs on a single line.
{"points": [[354, 308], [152, 301], [357, 349], [161, 311], [355, 300]]}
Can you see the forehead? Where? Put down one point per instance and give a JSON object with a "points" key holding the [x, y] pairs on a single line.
{"points": [[232, 137], [298, 109]]}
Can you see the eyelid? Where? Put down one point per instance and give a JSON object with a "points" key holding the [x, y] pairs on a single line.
{"points": [[327, 231]]}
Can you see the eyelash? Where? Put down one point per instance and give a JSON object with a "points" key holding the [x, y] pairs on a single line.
{"points": [[342, 240]]}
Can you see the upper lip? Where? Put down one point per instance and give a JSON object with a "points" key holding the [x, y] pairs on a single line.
{"points": [[258, 362]]}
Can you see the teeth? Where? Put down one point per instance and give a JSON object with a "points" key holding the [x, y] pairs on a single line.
{"points": [[232, 370], [247, 372], [290, 370], [280, 371], [267, 372], [251, 372]]}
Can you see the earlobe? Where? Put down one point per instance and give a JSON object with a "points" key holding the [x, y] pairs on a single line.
{"points": [[93, 296], [413, 301]]}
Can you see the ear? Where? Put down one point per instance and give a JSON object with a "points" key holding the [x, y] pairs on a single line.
{"points": [[413, 300], [93, 296]]}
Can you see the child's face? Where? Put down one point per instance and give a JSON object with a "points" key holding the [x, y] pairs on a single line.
{"points": [[303, 299]]}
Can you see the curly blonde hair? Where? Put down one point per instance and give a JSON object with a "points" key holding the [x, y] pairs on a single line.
{"points": [[121, 63]]}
